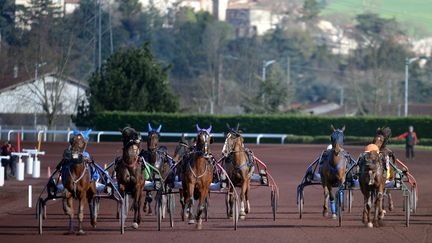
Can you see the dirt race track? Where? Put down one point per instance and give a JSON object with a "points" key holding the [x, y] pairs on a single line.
{"points": [[287, 164]]}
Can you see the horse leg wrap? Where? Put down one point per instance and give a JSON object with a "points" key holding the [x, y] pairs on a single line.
{"points": [[333, 206]]}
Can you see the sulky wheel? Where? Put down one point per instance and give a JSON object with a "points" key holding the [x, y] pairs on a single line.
{"points": [[159, 209], [350, 200], [273, 199], [407, 209], [414, 199], [339, 199], [40, 213], [122, 215], [300, 203], [171, 208]]}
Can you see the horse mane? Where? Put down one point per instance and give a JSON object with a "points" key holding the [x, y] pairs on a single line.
{"points": [[386, 133]]}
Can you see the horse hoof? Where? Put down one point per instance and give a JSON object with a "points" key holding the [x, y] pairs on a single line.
{"points": [[199, 224], [384, 212], [325, 214], [81, 232], [369, 225], [135, 225], [334, 216], [391, 207], [191, 221], [242, 217]]}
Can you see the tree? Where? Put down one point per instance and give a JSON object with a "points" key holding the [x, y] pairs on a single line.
{"points": [[44, 42], [131, 80]]}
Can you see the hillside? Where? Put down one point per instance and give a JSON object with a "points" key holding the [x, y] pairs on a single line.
{"points": [[414, 14]]}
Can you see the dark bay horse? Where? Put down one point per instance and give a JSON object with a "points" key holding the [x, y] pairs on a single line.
{"points": [[181, 153], [372, 182], [381, 139], [157, 156], [333, 169], [239, 166], [77, 179], [129, 171], [197, 175]]}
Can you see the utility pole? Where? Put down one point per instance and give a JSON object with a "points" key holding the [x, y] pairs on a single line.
{"points": [[288, 71], [99, 35], [110, 29]]}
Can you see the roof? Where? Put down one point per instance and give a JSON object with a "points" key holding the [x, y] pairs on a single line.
{"points": [[8, 82]]}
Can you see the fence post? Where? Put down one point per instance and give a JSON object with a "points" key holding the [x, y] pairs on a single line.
{"points": [[259, 138], [283, 139], [9, 134], [98, 136]]}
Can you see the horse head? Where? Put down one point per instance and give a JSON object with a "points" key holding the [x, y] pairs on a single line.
{"points": [[337, 139], [79, 142], [181, 149], [131, 141], [372, 167], [153, 136], [203, 139], [382, 137], [233, 139]]}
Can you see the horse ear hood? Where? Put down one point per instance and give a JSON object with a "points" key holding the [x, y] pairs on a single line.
{"points": [[332, 128], [149, 127], [159, 128], [343, 129], [209, 129], [75, 132]]}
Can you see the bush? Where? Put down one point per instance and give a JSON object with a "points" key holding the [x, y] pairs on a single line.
{"points": [[317, 126]]}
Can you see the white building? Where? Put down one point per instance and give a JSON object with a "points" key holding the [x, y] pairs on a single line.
{"points": [[28, 96]]}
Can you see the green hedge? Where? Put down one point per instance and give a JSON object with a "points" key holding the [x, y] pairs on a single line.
{"points": [[285, 124]]}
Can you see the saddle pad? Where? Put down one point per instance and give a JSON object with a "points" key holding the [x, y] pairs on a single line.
{"points": [[256, 178]]}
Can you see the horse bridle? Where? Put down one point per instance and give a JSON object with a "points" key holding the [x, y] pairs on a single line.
{"points": [[206, 137], [151, 135], [227, 147]]}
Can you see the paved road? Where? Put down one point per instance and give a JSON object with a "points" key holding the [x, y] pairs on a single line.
{"points": [[287, 164]]}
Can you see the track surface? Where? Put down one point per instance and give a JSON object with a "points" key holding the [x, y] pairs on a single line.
{"points": [[287, 164]]}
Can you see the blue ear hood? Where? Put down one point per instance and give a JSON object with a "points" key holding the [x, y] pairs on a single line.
{"points": [[159, 128], [85, 134], [149, 127]]}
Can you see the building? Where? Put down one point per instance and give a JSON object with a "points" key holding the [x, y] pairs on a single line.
{"points": [[215, 7], [23, 97], [251, 17]]}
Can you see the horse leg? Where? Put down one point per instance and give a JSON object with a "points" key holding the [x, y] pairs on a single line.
{"points": [[92, 204], [381, 212], [68, 209], [147, 203], [242, 200], [137, 207], [247, 210], [390, 201], [332, 203], [230, 201], [81, 203], [189, 198], [367, 209], [202, 198], [182, 203], [326, 199]]}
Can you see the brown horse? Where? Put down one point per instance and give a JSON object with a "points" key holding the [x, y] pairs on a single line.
{"points": [[381, 139], [129, 171], [372, 182], [239, 167], [76, 180], [197, 175], [333, 169]]}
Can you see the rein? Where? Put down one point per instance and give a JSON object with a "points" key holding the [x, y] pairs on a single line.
{"points": [[193, 173]]}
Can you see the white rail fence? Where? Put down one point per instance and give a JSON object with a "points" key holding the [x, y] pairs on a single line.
{"points": [[10, 133]]}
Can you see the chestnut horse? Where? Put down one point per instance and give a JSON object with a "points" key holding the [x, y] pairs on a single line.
{"points": [[372, 182], [77, 180], [129, 171], [333, 169], [381, 139], [197, 175], [239, 167]]}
